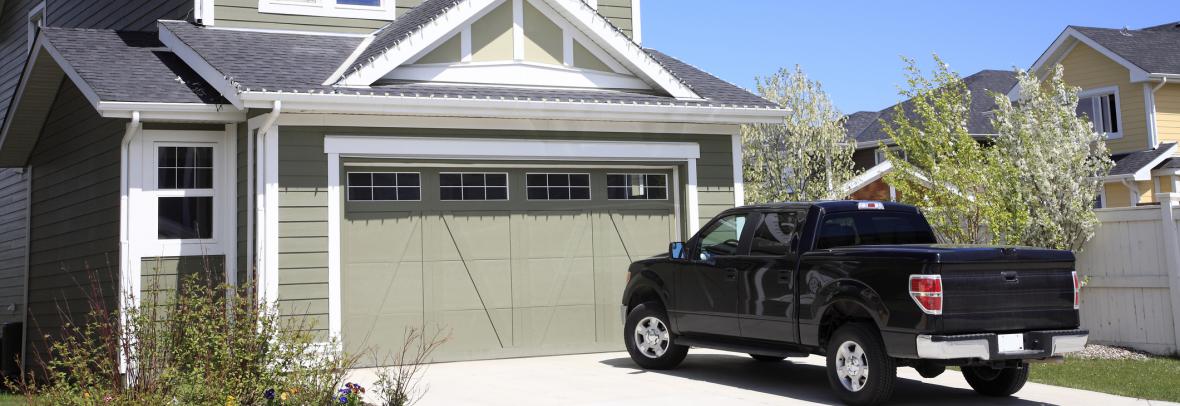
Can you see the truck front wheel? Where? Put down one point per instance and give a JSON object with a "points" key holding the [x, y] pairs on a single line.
{"points": [[990, 381], [649, 340], [859, 369]]}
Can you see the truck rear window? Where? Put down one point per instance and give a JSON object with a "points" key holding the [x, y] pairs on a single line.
{"points": [[873, 228]]}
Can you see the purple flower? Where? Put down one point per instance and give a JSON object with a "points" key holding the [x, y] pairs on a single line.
{"points": [[343, 399], [269, 394]]}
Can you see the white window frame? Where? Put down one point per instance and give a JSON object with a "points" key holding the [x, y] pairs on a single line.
{"points": [[145, 195], [507, 186], [1118, 108], [348, 186], [589, 186], [329, 8], [666, 187]]}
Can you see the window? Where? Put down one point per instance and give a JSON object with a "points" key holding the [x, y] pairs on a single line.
{"points": [[365, 9], [879, 154], [384, 186], [723, 237], [634, 186], [473, 186], [558, 186], [1102, 107], [184, 179], [775, 236], [873, 228]]}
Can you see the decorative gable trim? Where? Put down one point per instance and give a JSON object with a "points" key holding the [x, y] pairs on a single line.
{"points": [[517, 74], [194, 60], [580, 15]]}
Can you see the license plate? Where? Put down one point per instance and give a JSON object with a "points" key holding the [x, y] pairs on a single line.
{"points": [[1010, 342]]}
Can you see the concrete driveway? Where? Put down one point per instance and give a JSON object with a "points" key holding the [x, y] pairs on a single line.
{"points": [[706, 378]]}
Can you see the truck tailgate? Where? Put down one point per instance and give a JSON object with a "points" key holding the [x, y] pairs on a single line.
{"points": [[1004, 295]]}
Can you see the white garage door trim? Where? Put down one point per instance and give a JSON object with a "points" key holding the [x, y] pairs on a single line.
{"points": [[336, 146]]}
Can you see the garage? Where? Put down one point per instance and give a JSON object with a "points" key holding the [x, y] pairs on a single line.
{"points": [[507, 258]]}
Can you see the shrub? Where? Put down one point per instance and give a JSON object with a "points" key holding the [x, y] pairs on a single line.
{"points": [[204, 344], [397, 383]]}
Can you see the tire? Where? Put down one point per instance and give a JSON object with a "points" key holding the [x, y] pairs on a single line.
{"points": [[767, 358], [859, 369], [988, 381], [649, 340]]}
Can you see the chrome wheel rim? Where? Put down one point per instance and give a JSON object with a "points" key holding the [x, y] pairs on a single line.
{"points": [[651, 337], [852, 366]]}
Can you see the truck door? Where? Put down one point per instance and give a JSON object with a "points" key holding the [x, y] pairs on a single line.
{"points": [[767, 292], [706, 298]]}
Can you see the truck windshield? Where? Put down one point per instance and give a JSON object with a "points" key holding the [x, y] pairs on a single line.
{"points": [[873, 228]]}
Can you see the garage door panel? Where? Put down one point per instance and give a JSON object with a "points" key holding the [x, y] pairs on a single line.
{"points": [[559, 326], [384, 288], [468, 236], [553, 282], [643, 233], [552, 234], [471, 333], [382, 237], [380, 336]]}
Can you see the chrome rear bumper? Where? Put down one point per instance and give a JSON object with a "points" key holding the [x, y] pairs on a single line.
{"points": [[1037, 345]]}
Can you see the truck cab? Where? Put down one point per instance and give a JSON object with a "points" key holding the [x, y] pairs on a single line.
{"points": [[865, 284]]}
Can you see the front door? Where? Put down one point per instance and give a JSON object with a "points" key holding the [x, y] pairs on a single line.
{"points": [[768, 286], [707, 286]]}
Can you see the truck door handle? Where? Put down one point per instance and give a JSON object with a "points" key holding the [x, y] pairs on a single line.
{"points": [[730, 274]]}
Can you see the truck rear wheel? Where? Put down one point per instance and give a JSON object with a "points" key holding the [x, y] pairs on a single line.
{"points": [[990, 381], [649, 339], [859, 369]]}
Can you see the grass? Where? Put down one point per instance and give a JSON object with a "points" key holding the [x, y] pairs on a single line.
{"points": [[11, 400], [1154, 379]]}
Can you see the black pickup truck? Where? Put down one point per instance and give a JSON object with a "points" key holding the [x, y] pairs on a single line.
{"points": [[863, 283]]}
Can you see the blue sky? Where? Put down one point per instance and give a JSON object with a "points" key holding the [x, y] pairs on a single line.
{"points": [[854, 47]]}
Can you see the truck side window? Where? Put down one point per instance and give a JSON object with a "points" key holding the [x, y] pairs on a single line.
{"points": [[723, 236], [774, 234], [873, 228]]}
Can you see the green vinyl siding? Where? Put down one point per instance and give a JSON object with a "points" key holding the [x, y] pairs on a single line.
{"points": [[618, 12], [74, 235], [303, 226]]}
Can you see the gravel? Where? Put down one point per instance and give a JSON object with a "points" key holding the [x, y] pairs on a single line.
{"points": [[1095, 351]]}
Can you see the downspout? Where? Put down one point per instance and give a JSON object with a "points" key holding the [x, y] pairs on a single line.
{"points": [[259, 223], [1154, 131], [1132, 189], [126, 282]]}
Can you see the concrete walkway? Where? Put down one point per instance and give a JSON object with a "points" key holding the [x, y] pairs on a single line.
{"points": [[706, 378]]}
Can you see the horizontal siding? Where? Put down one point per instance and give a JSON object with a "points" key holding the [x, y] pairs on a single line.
{"points": [[1088, 69], [129, 15], [1167, 107], [303, 223], [75, 215], [13, 210]]}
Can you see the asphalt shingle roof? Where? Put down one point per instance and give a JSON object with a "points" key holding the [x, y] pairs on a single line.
{"points": [[301, 63], [397, 30], [981, 85], [1133, 162], [127, 66], [1154, 49], [856, 122]]}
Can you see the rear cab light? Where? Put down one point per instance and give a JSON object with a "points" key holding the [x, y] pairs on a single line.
{"points": [[1077, 291], [926, 290]]}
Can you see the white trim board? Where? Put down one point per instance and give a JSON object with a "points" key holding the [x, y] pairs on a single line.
{"points": [[337, 146], [517, 73], [329, 8], [215, 78], [475, 123]]}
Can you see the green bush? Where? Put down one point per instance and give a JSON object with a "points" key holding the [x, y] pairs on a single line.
{"points": [[203, 344]]}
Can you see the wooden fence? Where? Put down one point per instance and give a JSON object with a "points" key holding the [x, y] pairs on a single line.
{"points": [[1132, 268]]}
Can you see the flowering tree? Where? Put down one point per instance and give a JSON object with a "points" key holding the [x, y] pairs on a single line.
{"points": [[807, 156], [1059, 156], [939, 166]]}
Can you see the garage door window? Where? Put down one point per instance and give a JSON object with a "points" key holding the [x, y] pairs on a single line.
{"points": [[184, 188], [636, 186], [473, 186], [384, 186], [558, 186]]}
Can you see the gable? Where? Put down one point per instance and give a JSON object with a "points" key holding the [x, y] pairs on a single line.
{"points": [[547, 43], [546, 51]]}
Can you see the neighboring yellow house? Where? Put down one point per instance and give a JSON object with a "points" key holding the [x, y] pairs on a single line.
{"points": [[1130, 87]]}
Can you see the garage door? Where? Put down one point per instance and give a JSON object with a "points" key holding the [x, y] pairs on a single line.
{"points": [[508, 262]]}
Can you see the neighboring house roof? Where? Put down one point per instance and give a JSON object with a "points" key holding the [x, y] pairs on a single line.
{"points": [[1155, 49], [856, 122], [129, 67], [253, 61], [980, 85], [1138, 165]]}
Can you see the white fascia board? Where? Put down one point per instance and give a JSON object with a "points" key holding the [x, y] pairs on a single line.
{"points": [[517, 73], [867, 177], [1144, 173], [194, 60], [495, 108], [430, 33], [1065, 43], [86, 89], [418, 147], [626, 51], [176, 112], [356, 53], [504, 124]]}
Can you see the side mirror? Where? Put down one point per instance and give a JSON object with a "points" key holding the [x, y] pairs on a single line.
{"points": [[677, 250]]}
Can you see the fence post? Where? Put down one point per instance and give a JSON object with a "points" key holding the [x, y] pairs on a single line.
{"points": [[1172, 257]]}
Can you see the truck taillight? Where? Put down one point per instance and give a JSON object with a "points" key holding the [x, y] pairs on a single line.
{"points": [[927, 292], [1077, 292]]}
